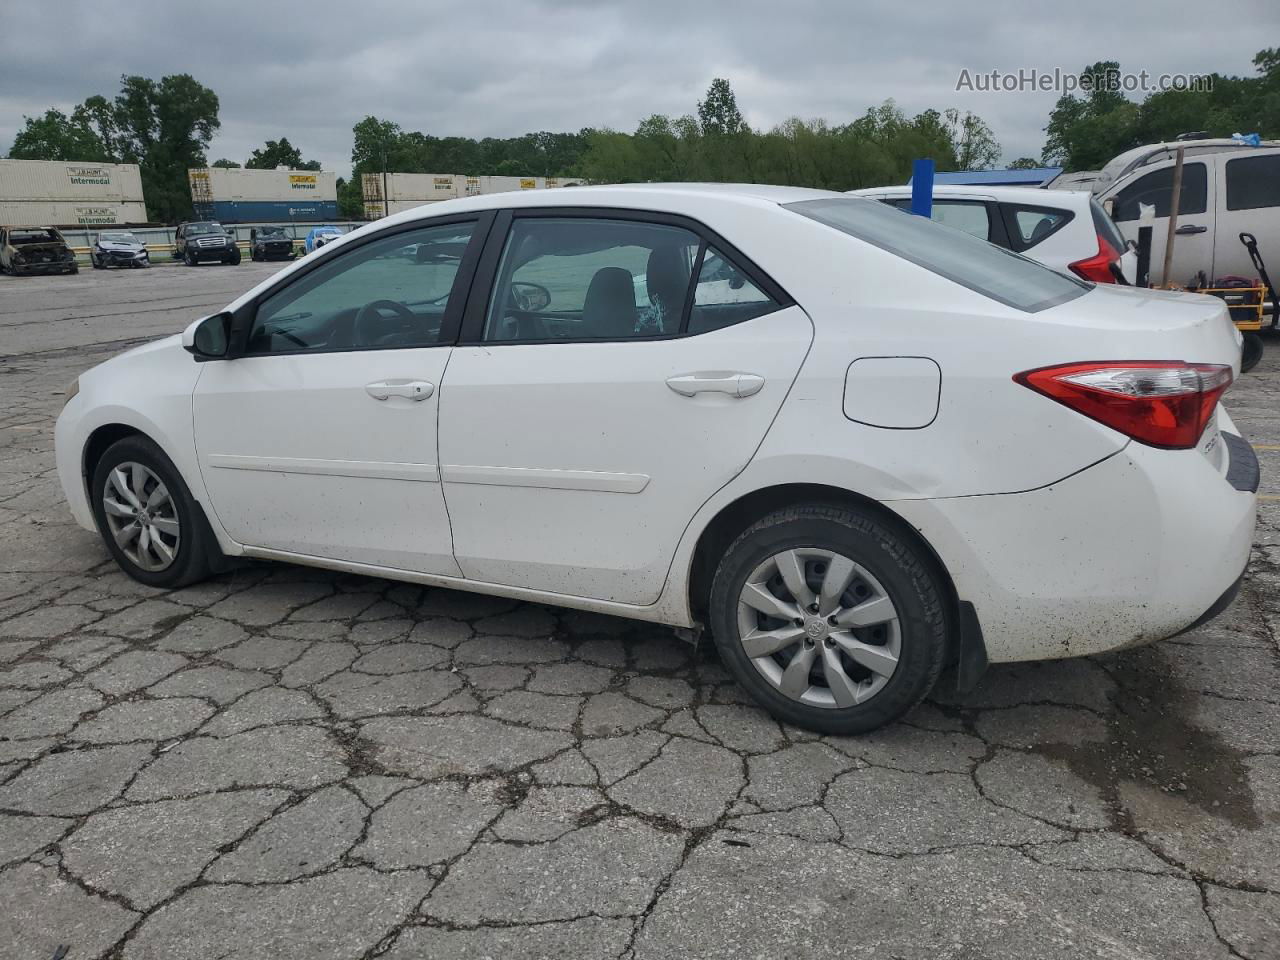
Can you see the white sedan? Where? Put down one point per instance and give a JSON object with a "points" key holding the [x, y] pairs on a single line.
{"points": [[855, 445]]}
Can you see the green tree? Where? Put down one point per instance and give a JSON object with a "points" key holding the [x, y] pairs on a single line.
{"points": [[974, 144], [1025, 163], [56, 136], [225, 164], [279, 153], [163, 125], [719, 113]]}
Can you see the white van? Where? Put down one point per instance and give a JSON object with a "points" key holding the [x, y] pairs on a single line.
{"points": [[1227, 189]]}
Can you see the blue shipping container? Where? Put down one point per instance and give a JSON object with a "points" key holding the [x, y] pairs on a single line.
{"points": [[267, 211]]}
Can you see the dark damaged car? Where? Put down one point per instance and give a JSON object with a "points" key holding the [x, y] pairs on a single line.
{"points": [[270, 243], [119, 248], [35, 250]]}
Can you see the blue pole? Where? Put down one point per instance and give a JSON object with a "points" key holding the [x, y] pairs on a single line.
{"points": [[922, 187]]}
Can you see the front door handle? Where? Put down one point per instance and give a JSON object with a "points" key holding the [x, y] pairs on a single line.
{"points": [[409, 389], [734, 384], [1188, 228]]}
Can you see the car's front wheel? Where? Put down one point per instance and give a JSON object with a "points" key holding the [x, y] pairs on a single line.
{"points": [[147, 516], [829, 617]]}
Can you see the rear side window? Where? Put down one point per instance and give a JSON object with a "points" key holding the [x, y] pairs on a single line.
{"points": [[1253, 182], [1156, 189], [982, 267], [1029, 225]]}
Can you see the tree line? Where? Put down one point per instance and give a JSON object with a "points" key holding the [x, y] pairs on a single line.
{"points": [[166, 127]]}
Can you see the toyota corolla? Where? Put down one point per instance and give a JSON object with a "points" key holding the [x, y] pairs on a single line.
{"points": [[853, 445]]}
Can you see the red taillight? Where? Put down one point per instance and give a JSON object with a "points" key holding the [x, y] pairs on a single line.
{"points": [[1098, 267], [1164, 403]]}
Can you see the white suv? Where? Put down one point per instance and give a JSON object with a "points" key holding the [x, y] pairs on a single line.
{"points": [[1063, 229]]}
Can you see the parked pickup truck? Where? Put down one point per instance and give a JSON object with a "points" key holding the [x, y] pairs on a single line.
{"points": [[204, 240]]}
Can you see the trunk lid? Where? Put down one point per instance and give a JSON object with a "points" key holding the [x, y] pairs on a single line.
{"points": [[1132, 323]]}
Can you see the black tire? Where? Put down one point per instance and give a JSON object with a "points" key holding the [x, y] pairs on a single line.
{"points": [[75, 268], [234, 259], [194, 546], [190, 259], [1251, 352], [95, 262], [905, 572]]}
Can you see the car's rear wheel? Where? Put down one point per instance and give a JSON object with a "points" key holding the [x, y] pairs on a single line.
{"points": [[147, 516], [829, 617], [1251, 352]]}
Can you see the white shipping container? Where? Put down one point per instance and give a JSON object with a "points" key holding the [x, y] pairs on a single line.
{"points": [[55, 180], [66, 213], [218, 184], [399, 206]]}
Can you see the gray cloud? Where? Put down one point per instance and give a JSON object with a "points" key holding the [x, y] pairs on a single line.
{"points": [[310, 71]]}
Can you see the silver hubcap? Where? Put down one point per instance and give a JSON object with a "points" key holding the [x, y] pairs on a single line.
{"points": [[141, 516], [819, 627]]}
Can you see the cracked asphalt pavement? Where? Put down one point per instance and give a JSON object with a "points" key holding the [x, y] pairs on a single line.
{"points": [[293, 763]]}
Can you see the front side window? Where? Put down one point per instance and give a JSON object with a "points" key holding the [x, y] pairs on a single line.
{"points": [[980, 266], [386, 294], [1253, 182], [1156, 189], [590, 279]]}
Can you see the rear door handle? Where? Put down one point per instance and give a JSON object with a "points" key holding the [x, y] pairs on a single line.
{"points": [[409, 389], [1187, 228], [734, 384]]}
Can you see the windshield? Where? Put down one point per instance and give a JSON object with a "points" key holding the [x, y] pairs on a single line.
{"points": [[984, 268], [271, 231], [203, 229], [17, 237], [118, 237]]}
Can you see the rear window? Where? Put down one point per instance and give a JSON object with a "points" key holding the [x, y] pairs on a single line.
{"points": [[964, 259], [1253, 182]]}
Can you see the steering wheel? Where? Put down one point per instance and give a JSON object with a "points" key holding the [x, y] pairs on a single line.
{"points": [[369, 326]]}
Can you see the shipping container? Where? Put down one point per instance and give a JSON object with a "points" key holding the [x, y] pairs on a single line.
{"points": [[233, 195], [68, 213], [408, 190], [87, 183]]}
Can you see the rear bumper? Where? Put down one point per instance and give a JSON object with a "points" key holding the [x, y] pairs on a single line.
{"points": [[1134, 549]]}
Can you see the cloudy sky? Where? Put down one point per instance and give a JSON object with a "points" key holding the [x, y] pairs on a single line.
{"points": [[310, 70]]}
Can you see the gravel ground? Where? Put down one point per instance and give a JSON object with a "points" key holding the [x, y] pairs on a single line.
{"points": [[291, 763]]}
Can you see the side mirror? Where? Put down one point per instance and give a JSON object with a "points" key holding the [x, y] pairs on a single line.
{"points": [[530, 297], [208, 338]]}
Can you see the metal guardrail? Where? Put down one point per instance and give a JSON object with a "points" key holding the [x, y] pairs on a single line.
{"points": [[161, 239]]}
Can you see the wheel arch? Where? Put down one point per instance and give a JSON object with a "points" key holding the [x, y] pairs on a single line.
{"points": [[736, 516], [100, 440]]}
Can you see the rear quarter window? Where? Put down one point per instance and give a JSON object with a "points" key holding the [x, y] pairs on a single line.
{"points": [[992, 271], [1031, 225]]}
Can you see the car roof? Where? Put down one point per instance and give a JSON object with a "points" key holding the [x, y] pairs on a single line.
{"points": [[659, 197], [1034, 196]]}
